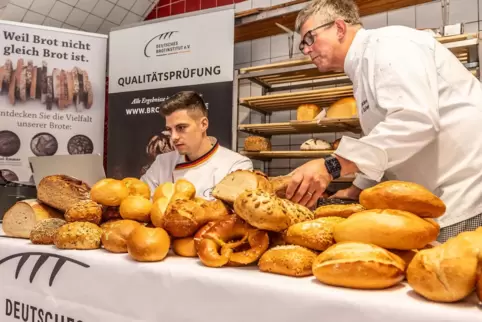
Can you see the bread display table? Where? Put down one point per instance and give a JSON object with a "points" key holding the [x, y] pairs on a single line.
{"points": [[97, 286]]}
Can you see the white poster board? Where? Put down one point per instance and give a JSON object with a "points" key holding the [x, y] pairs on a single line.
{"points": [[52, 94]]}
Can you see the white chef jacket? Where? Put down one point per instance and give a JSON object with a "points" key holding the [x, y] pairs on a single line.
{"points": [[421, 112], [204, 173]]}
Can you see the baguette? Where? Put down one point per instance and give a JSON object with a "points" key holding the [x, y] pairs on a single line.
{"points": [[21, 218]]}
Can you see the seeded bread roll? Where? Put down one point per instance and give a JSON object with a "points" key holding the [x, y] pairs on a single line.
{"points": [[78, 235], [288, 260], [62, 192], [85, 210], [264, 210], [313, 234], [44, 231]]}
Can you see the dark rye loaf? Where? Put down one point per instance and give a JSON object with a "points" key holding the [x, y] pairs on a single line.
{"points": [[62, 192]]}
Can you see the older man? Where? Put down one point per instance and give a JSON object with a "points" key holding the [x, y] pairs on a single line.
{"points": [[420, 110]]}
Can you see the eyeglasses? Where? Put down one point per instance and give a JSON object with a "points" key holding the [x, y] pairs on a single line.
{"points": [[309, 37]]}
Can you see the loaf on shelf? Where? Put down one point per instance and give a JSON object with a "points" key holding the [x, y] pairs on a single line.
{"points": [[307, 112], [315, 145], [257, 144], [21, 218], [62, 192], [343, 108]]}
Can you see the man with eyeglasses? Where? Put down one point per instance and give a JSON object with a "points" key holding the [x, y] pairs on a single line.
{"points": [[420, 110]]}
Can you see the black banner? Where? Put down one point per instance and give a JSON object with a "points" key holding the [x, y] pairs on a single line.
{"points": [[135, 125]]}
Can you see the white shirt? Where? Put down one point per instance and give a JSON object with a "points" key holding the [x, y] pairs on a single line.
{"points": [[421, 112], [204, 173]]}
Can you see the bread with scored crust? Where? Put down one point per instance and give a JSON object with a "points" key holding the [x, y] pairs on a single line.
{"points": [[235, 183], [289, 260], [62, 192]]}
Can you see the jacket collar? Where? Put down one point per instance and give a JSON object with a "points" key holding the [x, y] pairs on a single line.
{"points": [[355, 53]]}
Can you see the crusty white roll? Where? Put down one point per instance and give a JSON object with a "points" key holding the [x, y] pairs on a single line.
{"points": [[85, 210], [165, 190], [114, 236], [335, 210], [181, 189], [401, 195], [137, 187], [359, 266], [447, 272], [109, 192], [235, 183], [146, 244], [136, 208], [184, 247], [78, 235], [158, 211], [289, 260], [314, 234], [265, 210], [388, 228]]}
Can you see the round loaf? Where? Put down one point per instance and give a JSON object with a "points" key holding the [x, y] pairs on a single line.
{"points": [[182, 218], [289, 260], [136, 208], [85, 210], [313, 234], [146, 244], [137, 187], [388, 228], [359, 266], [266, 211], [344, 211], [114, 236], [445, 273], [404, 196], [184, 247], [43, 231], [78, 235], [109, 192]]}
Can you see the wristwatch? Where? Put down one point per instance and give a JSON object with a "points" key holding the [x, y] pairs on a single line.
{"points": [[333, 166]]}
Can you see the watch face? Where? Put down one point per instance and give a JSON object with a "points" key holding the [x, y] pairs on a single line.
{"points": [[333, 167]]}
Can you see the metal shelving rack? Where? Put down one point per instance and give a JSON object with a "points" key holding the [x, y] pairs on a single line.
{"points": [[287, 75]]}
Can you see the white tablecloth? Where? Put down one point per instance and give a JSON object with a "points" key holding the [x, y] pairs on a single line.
{"points": [[114, 288]]}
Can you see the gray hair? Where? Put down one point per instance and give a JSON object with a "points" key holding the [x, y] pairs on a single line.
{"points": [[329, 10]]}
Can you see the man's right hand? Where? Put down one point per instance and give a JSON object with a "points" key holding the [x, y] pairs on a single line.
{"points": [[353, 192]]}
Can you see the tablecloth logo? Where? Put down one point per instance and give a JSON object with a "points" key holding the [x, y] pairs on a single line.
{"points": [[43, 257]]}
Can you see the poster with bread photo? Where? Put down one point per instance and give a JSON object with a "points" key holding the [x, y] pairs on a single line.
{"points": [[52, 94]]}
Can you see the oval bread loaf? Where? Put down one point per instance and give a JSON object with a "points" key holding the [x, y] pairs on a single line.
{"points": [[344, 211], [78, 235], [387, 228], [235, 183], [359, 266], [62, 192], [313, 234], [109, 192], [406, 196], [288, 260]]}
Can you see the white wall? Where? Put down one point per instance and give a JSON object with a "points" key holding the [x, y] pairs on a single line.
{"points": [[275, 48]]}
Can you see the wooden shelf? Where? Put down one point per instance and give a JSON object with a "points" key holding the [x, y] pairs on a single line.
{"points": [[290, 101], [261, 22], [296, 127], [268, 155]]}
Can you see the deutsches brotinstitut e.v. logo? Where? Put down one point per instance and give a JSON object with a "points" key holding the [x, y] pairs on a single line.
{"points": [[164, 44]]}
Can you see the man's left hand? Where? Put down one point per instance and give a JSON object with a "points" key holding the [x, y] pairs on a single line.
{"points": [[308, 183]]}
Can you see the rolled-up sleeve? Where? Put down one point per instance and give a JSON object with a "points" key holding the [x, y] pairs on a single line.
{"points": [[402, 77]]}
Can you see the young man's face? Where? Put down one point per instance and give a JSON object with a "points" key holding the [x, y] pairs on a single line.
{"points": [[186, 129]]}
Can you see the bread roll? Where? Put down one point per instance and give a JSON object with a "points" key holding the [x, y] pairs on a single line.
{"points": [[62, 192], [359, 266], [114, 237], [184, 247], [264, 210], [257, 144], [446, 273], [344, 211], [314, 234], [136, 208], [109, 192], [315, 145], [307, 112], [394, 229], [288, 260], [78, 235], [21, 218], [158, 211], [279, 185], [137, 187], [85, 210], [165, 190], [110, 213], [405, 196], [344, 108], [183, 218], [146, 244], [182, 189], [44, 231], [235, 183]]}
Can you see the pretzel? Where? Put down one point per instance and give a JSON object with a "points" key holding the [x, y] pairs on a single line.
{"points": [[232, 242]]}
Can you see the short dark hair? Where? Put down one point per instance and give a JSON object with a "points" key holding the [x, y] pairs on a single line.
{"points": [[185, 100]]}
